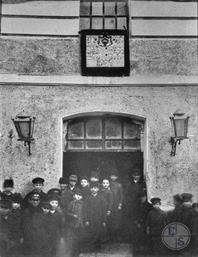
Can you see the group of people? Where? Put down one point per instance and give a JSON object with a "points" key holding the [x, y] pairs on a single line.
{"points": [[83, 213]]}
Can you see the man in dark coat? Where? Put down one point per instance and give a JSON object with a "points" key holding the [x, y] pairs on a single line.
{"points": [[117, 191], [156, 221], [34, 230], [38, 184], [173, 215], [142, 242], [94, 216], [195, 229], [131, 205], [67, 194]]}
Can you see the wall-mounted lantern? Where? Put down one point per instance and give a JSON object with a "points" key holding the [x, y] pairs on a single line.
{"points": [[25, 127], [180, 129]]}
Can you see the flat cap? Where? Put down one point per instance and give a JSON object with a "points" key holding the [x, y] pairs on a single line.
{"points": [[54, 191], [38, 180], [155, 200], [186, 197], [73, 177]]}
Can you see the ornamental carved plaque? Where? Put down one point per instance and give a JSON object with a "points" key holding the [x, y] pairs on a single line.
{"points": [[104, 53]]}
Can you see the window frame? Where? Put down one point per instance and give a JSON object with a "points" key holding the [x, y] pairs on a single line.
{"points": [[104, 139]]}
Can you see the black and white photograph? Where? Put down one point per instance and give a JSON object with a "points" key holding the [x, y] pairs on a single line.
{"points": [[98, 128]]}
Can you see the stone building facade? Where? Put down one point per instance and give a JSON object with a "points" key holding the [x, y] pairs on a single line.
{"points": [[41, 75]]}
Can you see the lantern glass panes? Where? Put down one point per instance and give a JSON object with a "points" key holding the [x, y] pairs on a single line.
{"points": [[24, 126], [180, 125]]}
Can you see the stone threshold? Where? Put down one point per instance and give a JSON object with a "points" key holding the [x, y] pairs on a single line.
{"points": [[78, 80]]}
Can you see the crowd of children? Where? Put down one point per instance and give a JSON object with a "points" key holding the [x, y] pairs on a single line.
{"points": [[83, 215]]}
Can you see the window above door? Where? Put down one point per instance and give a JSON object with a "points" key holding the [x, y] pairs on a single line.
{"points": [[103, 134]]}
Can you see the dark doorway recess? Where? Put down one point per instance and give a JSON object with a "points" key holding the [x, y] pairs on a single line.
{"points": [[84, 163]]}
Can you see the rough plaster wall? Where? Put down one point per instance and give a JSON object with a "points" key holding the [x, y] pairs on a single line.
{"points": [[165, 175], [62, 56]]}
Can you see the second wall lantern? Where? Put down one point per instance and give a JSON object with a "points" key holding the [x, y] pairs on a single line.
{"points": [[179, 122]]}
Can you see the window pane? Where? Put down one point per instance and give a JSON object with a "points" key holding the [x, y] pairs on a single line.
{"points": [[84, 8], [75, 145], [109, 23], [110, 8], [132, 144], [24, 127], [121, 23], [113, 128], [113, 144], [76, 130], [97, 8], [97, 23], [122, 8], [131, 130], [94, 144], [84, 23], [94, 129]]}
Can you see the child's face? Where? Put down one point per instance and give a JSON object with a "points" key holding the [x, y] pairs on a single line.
{"points": [[84, 183], [54, 204], [157, 205], [16, 206], [45, 210], [77, 197], [35, 202], [38, 187], [136, 178], [72, 183], [94, 190], [63, 186], [105, 183], [114, 177]]}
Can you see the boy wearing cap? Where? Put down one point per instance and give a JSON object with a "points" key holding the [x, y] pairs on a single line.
{"points": [[56, 223], [30, 226], [155, 223], [84, 187], [95, 216], [38, 184], [75, 216], [63, 184], [14, 222], [67, 195]]}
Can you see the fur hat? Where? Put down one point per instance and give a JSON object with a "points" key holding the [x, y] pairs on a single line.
{"points": [[8, 183], [62, 180]]}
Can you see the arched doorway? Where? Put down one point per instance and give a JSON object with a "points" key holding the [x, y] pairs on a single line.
{"points": [[101, 143]]}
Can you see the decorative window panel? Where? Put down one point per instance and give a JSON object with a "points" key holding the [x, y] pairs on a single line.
{"points": [[103, 133]]}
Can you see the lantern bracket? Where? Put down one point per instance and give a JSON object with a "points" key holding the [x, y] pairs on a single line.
{"points": [[173, 141]]}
